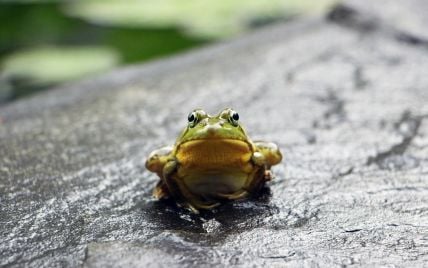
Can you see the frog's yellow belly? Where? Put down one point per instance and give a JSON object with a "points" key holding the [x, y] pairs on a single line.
{"points": [[213, 154], [211, 167], [213, 184]]}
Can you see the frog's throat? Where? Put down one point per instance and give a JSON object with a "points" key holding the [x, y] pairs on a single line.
{"points": [[214, 137], [214, 154]]}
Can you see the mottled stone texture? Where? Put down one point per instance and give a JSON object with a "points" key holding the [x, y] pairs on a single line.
{"points": [[345, 96]]}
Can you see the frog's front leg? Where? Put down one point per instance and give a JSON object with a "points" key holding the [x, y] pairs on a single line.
{"points": [[156, 163], [169, 168], [157, 160], [266, 154], [269, 153]]}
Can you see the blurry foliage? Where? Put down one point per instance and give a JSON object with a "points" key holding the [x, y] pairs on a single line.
{"points": [[56, 64], [43, 43], [199, 18]]}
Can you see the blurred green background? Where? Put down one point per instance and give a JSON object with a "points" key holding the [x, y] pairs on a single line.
{"points": [[46, 43]]}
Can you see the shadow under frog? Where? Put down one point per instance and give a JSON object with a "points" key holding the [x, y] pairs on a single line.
{"points": [[231, 217]]}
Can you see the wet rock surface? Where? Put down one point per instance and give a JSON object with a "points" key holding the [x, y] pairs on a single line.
{"points": [[343, 96]]}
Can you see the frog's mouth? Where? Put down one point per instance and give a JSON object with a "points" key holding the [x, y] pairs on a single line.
{"points": [[214, 154]]}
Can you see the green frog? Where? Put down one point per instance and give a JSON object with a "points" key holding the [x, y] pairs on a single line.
{"points": [[213, 160]]}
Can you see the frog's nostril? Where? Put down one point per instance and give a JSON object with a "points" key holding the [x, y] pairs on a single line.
{"points": [[211, 129]]}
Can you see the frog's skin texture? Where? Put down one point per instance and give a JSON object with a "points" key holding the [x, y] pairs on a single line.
{"points": [[213, 160]]}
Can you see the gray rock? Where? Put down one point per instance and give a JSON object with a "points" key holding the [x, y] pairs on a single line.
{"points": [[409, 18], [345, 101]]}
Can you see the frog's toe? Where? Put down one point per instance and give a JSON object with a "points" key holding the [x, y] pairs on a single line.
{"points": [[194, 208], [234, 196], [207, 206], [268, 176], [189, 207], [160, 191]]}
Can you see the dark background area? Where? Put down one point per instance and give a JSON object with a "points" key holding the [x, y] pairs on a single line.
{"points": [[26, 26]]}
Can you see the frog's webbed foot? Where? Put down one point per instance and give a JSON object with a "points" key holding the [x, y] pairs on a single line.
{"points": [[194, 208], [188, 207]]}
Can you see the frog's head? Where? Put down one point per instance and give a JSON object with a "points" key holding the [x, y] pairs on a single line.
{"points": [[202, 126]]}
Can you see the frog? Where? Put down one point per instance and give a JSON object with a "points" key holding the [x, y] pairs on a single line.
{"points": [[212, 161]]}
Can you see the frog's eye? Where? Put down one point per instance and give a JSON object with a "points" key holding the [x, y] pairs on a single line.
{"points": [[234, 118], [192, 118]]}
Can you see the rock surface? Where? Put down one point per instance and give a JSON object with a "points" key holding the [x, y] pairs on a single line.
{"points": [[344, 96]]}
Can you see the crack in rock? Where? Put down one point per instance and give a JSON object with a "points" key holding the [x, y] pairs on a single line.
{"points": [[350, 17], [360, 82], [353, 230], [279, 256], [335, 112], [291, 218], [408, 126], [411, 39], [343, 173], [319, 58]]}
